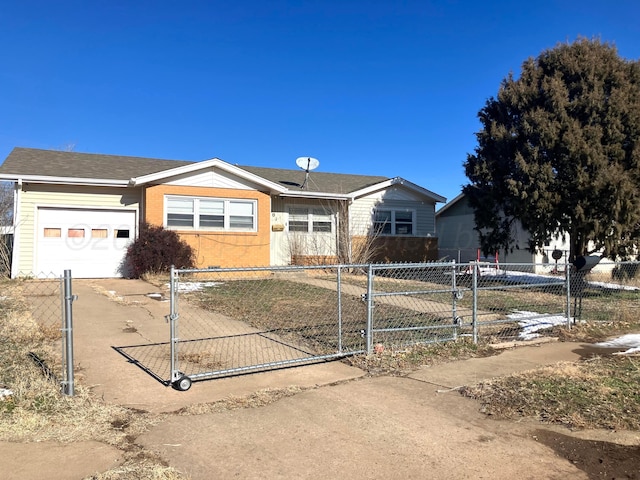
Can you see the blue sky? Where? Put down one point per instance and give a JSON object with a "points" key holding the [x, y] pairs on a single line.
{"points": [[374, 87]]}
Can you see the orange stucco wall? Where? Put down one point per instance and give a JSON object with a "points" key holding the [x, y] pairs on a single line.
{"points": [[219, 249]]}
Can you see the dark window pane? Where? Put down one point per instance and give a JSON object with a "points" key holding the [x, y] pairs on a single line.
{"points": [[404, 216], [322, 226], [179, 220], [382, 216], [382, 228], [211, 221], [404, 229], [296, 226], [245, 223]]}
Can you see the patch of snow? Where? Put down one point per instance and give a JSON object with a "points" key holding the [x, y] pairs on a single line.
{"points": [[157, 296], [613, 286], [187, 287], [538, 278], [5, 393], [630, 342], [532, 322]]}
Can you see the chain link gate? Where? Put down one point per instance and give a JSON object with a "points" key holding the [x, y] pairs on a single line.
{"points": [[232, 321], [412, 303]]}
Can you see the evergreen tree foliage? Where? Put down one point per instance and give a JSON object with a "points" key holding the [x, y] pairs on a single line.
{"points": [[559, 150]]}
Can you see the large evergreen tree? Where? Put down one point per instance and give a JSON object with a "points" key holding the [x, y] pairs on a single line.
{"points": [[559, 150]]}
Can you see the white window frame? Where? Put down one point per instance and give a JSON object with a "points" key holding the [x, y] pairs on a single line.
{"points": [[226, 214], [394, 222], [312, 217]]}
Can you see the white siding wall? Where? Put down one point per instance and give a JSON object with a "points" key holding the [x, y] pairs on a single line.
{"points": [[361, 211], [34, 195], [285, 243], [212, 178]]}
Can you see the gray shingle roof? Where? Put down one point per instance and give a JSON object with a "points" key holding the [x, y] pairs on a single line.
{"points": [[318, 181], [53, 163]]}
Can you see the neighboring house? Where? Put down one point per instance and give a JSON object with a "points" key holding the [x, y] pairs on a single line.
{"points": [[458, 240], [80, 211]]}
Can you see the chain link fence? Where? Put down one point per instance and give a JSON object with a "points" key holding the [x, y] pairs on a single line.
{"points": [[231, 321], [41, 306], [225, 322]]}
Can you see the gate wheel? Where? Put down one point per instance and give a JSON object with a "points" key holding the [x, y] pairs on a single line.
{"points": [[182, 384]]}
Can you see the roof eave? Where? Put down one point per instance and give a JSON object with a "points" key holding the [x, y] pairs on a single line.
{"points": [[212, 163], [399, 181], [103, 182], [450, 204], [316, 195]]}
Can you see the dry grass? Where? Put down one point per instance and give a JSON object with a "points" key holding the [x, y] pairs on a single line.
{"points": [[257, 399], [37, 411], [598, 393], [140, 466], [401, 362], [203, 359]]}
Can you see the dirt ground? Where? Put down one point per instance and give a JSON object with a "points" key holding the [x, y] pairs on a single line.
{"points": [[341, 424]]}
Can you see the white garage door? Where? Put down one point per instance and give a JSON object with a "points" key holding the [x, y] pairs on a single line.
{"points": [[90, 243]]}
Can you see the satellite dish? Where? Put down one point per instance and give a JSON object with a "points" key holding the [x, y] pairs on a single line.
{"points": [[307, 163]]}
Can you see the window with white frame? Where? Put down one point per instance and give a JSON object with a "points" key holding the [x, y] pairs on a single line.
{"points": [[394, 222], [201, 213], [310, 220]]}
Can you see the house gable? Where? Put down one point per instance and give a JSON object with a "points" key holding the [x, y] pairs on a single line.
{"points": [[214, 172]]}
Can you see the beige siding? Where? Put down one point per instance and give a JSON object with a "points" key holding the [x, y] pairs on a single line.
{"points": [[361, 211], [360, 215], [33, 196]]}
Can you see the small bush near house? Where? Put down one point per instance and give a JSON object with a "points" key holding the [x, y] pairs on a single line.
{"points": [[155, 250]]}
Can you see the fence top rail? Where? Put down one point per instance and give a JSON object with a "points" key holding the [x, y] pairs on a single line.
{"points": [[288, 268], [501, 266]]}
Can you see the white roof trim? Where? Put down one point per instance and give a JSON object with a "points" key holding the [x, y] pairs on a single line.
{"points": [[65, 180], [399, 181], [207, 164], [450, 204], [318, 195]]}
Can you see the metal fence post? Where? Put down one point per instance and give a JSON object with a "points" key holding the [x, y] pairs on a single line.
{"points": [[455, 295], [369, 299], [68, 387], [339, 292], [474, 309], [172, 326], [568, 290]]}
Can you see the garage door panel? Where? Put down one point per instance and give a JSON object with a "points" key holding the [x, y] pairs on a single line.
{"points": [[91, 243]]}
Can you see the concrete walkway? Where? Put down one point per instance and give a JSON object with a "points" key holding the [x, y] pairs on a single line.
{"points": [[469, 372]]}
